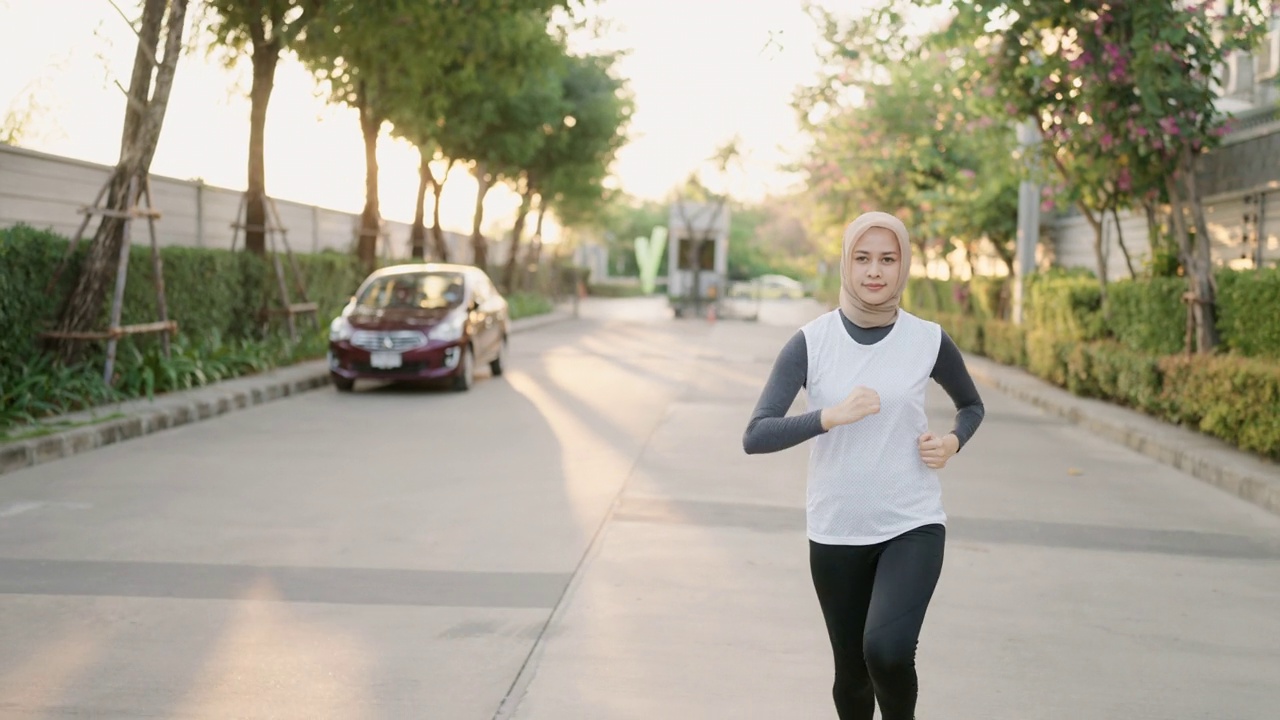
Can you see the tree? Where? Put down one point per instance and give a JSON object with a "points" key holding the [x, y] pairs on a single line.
{"points": [[148, 98], [569, 166], [262, 29], [500, 119], [903, 125], [769, 236], [619, 219], [427, 180], [380, 58], [1133, 80]]}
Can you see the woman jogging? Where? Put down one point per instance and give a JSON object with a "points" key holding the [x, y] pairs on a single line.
{"points": [[875, 521]]}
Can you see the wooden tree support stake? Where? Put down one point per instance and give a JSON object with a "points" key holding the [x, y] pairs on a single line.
{"points": [[275, 226], [115, 330]]}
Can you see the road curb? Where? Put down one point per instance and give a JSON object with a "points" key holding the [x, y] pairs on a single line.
{"points": [[132, 419], [1205, 458]]}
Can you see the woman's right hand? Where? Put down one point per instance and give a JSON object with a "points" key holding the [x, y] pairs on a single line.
{"points": [[861, 402]]}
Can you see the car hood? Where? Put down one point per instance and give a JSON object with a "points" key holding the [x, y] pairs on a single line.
{"points": [[398, 319]]}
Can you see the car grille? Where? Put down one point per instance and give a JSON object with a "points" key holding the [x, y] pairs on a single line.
{"points": [[407, 368], [393, 340]]}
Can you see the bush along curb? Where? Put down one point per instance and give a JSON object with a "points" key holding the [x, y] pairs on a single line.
{"points": [[137, 418], [1201, 456]]}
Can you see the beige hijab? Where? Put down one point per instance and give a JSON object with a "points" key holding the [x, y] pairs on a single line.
{"points": [[864, 314]]}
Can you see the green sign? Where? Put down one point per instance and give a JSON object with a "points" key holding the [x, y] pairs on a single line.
{"points": [[649, 256]]}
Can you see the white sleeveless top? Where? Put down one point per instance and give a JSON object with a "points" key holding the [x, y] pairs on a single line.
{"points": [[867, 482]]}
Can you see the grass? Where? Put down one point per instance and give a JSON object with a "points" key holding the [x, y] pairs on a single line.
{"points": [[56, 426]]}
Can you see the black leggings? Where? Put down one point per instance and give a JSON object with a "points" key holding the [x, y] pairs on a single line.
{"points": [[873, 599]]}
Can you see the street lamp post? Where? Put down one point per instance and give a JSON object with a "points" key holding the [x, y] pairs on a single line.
{"points": [[1028, 218]]}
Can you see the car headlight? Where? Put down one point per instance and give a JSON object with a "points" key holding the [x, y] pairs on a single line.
{"points": [[450, 328], [340, 329]]}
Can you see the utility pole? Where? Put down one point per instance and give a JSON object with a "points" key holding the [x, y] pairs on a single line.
{"points": [[1028, 218]]}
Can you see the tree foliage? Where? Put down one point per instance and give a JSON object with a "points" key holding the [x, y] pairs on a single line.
{"points": [[903, 124], [260, 30], [1124, 96], [429, 59]]}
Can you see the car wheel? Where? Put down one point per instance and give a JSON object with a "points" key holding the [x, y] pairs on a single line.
{"points": [[466, 375], [495, 366], [343, 384]]}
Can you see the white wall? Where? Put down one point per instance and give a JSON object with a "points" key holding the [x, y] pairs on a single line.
{"points": [[45, 191], [1071, 238]]}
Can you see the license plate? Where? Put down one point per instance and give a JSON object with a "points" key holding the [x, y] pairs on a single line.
{"points": [[384, 360]]}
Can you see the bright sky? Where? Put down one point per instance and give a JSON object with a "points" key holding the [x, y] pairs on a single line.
{"points": [[702, 71]]}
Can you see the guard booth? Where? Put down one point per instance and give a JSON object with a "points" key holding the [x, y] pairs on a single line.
{"points": [[696, 284]]}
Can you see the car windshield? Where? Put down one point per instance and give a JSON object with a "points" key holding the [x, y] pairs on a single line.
{"points": [[412, 291]]}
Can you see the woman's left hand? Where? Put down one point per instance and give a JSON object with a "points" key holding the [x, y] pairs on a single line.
{"points": [[936, 451]]}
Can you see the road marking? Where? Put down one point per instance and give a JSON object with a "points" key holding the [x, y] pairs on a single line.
{"points": [[18, 508], [339, 585]]}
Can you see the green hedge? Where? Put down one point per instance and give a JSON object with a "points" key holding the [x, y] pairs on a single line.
{"points": [[1004, 342], [1233, 398], [1249, 312], [1130, 353], [1067, 307], [216, 297], [989, 298], [27, 261], [964, 330], [1148, 315], [1107, 369], [208, 292], [927, 297]]}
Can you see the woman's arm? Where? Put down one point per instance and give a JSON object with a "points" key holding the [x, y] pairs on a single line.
{"points": [[770, 430], [950, 372]]}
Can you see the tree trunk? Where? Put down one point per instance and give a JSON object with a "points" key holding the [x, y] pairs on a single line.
{"points": [[1178, 221], [526, 279], [370, 219], [1200, 270], [1099, 255], [1128, 261], [418, 235], [1153, 228], [437, 232], [513, 260], [480, 246], [265, 56], [144, 118]]}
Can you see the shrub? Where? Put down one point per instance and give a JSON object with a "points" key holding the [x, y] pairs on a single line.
{"points": [[989, 298], [216, 297], [1249, 311], [28, 258], [1067, 307], [526, 304], [1148, 315], [965, 331], [1004, 342], [1047, 356], [615, 290], [1233, 398], [927, 297]]}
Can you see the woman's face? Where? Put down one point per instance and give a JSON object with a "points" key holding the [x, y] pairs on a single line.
{"points": [[875, 265]]}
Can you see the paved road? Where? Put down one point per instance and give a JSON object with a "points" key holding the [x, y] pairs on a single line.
{"points": [[586, 536]]}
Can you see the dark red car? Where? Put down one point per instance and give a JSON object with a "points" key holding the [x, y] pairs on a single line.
{"points": [[420, 322]]}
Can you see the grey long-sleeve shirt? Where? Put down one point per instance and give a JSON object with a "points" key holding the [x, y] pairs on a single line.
{"points": [[770, 430]]}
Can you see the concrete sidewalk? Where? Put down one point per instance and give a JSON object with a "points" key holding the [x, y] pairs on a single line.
{"points": [[109, 424], [1083, 579], [1195, 453]]}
